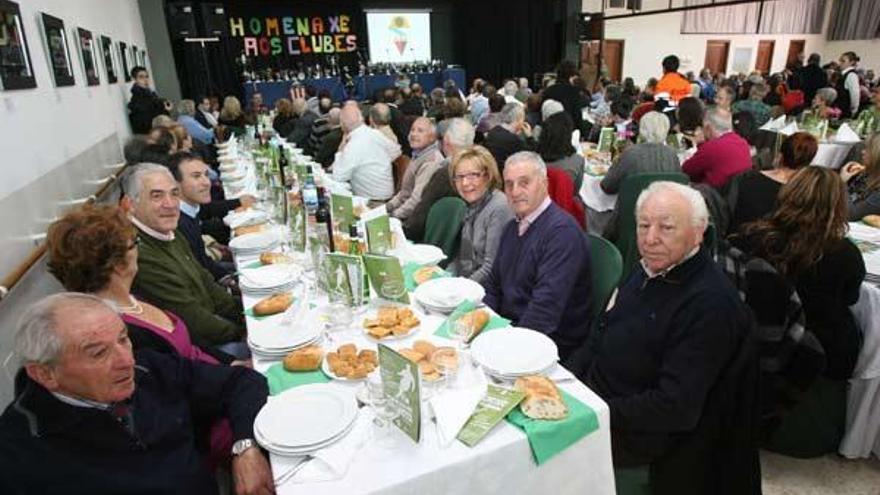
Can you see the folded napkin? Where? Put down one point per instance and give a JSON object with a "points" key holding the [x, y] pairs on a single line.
{"points": [[279, 379], [845, 134], [330, 463], [453, 407], [789, 129], [548, 437], [409, 271], [248, 217], [774, 124]]}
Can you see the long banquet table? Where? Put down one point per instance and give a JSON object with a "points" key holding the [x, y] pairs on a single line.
{"points": [[501, 463]]}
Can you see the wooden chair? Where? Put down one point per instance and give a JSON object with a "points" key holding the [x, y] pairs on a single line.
{"points": [[399, 168]]}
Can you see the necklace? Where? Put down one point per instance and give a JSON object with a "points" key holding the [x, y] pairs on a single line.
{"points": [[135, 308]]}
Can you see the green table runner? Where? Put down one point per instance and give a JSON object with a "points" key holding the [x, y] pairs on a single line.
{"points": [[550, 437], [280, 379]]}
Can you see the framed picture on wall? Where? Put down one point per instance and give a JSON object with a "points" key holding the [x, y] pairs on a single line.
{"points": [[123, 59], [133, 55], [57, 50], [107, 55], [16, 70], [87, 56], [142, 58]]}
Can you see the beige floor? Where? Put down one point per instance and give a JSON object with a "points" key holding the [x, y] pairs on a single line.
{"points": [[831, 474]]}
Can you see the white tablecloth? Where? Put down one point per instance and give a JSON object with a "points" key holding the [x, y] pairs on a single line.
{"points": [[862, 435], [501, 463], [593, 195]]}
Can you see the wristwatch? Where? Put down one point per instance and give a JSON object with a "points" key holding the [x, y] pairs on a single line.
{"points": [[242, 445]]}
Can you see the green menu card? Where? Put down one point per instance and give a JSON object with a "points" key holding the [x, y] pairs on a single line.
{"points": [[297, 221], [343, 212], [606, 139], [490, 411], [400, 380], [386, 277], [379, 235], [344, 277]]}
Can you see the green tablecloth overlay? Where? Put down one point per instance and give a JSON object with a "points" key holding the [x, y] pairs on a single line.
{"points": [[409, 270], [280, 379], [548, 437]]}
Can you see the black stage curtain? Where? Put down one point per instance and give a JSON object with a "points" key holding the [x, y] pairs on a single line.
{"points": [[498, 39]]}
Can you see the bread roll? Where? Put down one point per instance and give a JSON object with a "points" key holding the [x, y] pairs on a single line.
{"points": [[543, 400], [424, 274], [269, 258], [306, 359], [412, 355], [872, 220], [250, 229], [424, 348], [477, 321], [347, 350], [271, 305]]}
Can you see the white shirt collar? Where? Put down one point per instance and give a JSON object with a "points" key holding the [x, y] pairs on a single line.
{"points": [[191, 211], [155, 234], [73, 401]]}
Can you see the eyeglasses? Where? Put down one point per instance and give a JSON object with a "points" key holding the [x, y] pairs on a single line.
{"points": [[134, 243], [472, 176]]}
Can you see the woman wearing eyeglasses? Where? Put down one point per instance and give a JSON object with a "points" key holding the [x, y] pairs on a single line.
{"points": [[475, 176]]}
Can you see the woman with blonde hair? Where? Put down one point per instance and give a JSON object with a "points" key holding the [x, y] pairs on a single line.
{"points": [[863, 181], [804, 239], [231, 114], [474, 175], [284, 117]]}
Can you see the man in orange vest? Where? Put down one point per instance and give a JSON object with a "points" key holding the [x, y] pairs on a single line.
{"points": [[672, 82]]}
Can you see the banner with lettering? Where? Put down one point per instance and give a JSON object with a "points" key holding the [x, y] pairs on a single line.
{"points": [[295, 33]]}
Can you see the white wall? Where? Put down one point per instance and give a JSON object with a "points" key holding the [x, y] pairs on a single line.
{"points": [[649, 38], [43, 128]]}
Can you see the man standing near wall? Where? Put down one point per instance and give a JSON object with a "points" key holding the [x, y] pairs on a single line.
{"points": [[145, 104]]}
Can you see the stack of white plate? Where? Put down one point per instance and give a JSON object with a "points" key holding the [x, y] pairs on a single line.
{"points": [[305, 419], [254, 244], [443, 295], [514, 352], [420, 254], [277, 341], [269, 279], [236, 219]]}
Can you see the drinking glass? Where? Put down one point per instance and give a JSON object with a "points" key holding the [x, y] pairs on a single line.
{"points": [[383, 434]]}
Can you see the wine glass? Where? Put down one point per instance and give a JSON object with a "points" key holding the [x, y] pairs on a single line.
{"points": [[383, 409]]}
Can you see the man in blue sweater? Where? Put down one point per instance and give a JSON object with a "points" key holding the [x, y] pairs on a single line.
{"points": [[663, 357], [541, 275]]}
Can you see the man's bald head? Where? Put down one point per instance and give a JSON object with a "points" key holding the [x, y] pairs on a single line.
{"points": [[350, 118]]}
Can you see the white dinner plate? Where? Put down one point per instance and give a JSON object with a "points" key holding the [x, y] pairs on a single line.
{"points": [[298, 451], [255, 241], [514, 352], [306, 416], [446, 293], [267, 277], [420, 254]]}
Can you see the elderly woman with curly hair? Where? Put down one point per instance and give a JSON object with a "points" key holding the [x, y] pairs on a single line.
{"points": [[94, 250]]}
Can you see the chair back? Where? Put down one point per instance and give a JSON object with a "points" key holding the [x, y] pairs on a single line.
{"points": [[606, 267], [443, 226], [632, 186], [399, 168]]}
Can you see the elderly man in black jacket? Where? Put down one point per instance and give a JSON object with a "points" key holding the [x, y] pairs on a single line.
{"points": [[90, 417], [672, 359]]}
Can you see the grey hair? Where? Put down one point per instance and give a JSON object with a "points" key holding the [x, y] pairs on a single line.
{"points": [[460, 133], [162, 120], [719, 119], [827, 94], [512, 112], [431, 125], [186, 107], [36, 338], [510, 88], [523, 82], [550, 107], [758, 91], [528, 157], [699, 212], [380, 114], [134, 181], [333, 116], [653, 127]]}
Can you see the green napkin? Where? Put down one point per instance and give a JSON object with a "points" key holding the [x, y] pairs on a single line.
{"points": [[550, 437], [253, 264], [409, 271], [280, 379]]}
